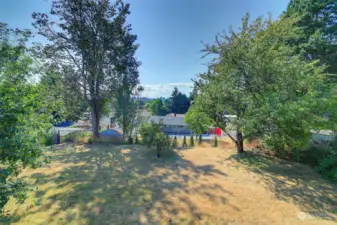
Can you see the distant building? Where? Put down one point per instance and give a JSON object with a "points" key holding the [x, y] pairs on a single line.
{"points": [[323, 136], [172, 124]]}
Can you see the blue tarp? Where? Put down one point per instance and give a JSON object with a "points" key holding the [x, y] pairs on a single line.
{"points": [[110, 133]]}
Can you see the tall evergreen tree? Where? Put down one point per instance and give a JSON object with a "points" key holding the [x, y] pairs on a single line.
{"points": [[318, 22], [179, 102]]}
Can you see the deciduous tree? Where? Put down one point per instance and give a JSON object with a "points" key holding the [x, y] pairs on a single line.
{"points": [[92, 39], [272, 92]]}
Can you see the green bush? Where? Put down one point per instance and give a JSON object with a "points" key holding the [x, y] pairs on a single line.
{"points": [[148, 132], [47, 139], [174, 142], [152, 136], [161, 142], [323, 158], [192, 141], [90, 141], [136, 141], [184, 142], [215, 142], [328, 167], [313, 155]]}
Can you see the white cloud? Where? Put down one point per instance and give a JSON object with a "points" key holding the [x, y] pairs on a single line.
{"points": [[165, 90]]}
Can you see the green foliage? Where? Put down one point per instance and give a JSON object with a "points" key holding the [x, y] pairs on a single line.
{"points": [[148, 132], [47, 138], [215, 142], [192, 141], [200, 139], [58, 89], [174, 142], [126, 107], [273, 92], [137, 141], [25, 116], [323, 158], [153, 136], [161, 142], [94, 45], [197, 120], [158, 107], [318, 23], [179, 103], [328, 167], [313, 155], [76, 136], [184, 142], [90, 141]]}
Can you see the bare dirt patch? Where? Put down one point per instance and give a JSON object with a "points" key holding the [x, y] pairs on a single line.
{"points": [[102, 184]]}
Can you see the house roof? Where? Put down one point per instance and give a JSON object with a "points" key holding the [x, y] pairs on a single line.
{"points": [[177, 115], [323, 132], [168, 120]]}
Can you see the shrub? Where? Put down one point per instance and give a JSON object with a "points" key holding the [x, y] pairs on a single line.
{"points": [[328, 167], [161, 143], [136, 140], [313, 155], [47, 139], [215, 142], [200, 139], [192, 141], [184, 142], [174, 142], [90, 141], [153, 136], [148, 132]]}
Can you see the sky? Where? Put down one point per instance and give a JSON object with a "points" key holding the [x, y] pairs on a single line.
{"points": [[170, 33]]}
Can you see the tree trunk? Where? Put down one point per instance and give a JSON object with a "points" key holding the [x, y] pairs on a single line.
{"points": [[239, 142], [95, 119]]}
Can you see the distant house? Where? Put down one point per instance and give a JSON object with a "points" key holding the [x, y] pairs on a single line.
{"points": [[323, 136], [172, 124], [177, 115]]}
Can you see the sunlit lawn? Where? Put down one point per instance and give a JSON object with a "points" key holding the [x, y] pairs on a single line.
{"points": [[106, 184]]}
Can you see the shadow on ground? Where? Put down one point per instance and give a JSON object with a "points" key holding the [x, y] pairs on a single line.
{"points": [[104, 184], [293, 182]]}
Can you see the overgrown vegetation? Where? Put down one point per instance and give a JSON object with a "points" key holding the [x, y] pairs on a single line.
{"points": [[270, 90], [152, 136], [25, 115], [78, 137]]}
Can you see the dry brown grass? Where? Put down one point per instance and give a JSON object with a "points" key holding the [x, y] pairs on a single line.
{"points": [[102, 184]]}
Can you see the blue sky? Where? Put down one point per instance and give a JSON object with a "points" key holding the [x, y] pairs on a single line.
{"points": [[169, 33]]}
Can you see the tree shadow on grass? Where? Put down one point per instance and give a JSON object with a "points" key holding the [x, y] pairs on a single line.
{"points": [[294, 182], [104, 184]]}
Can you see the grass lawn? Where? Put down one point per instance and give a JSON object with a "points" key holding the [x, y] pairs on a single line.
{"points": [[105, 184]]}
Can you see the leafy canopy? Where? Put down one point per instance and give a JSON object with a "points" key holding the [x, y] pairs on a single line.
{"points": [[260, 80], [25, 115]]}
